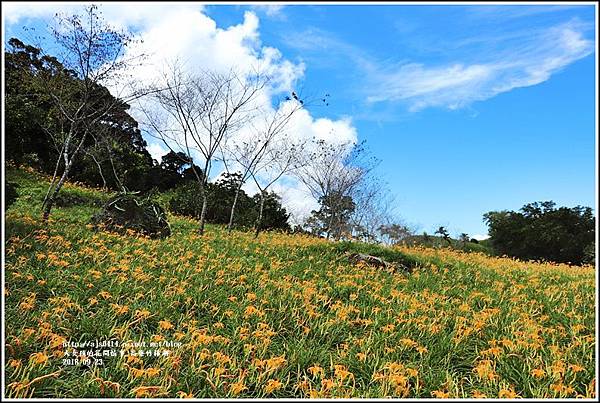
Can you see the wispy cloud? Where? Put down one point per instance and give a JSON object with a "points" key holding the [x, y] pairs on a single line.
{"points": [[325, 48], [529, 61], [472, 68], [271, 10], [516, 11]]}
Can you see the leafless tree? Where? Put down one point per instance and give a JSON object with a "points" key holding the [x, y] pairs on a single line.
{"points": [[264, 143], [101, 152], [93, 56], [197, 113], [395, 233], [374, 208], [334, 171], [280, 158]]}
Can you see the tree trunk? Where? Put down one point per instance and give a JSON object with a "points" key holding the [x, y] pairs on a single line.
{"points": [[104, 185], [50, 201], [260, 214], [330, 225], [112, 164], [235, 199], [58, 160], [64, 153], [203, 212], [51, 195]]}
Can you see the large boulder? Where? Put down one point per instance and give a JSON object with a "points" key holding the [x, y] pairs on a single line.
{"points": [[126, 211]]}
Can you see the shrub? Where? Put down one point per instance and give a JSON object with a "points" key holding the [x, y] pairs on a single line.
{"points": [[186, 200]]}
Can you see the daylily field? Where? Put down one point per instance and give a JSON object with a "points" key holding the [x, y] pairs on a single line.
{"points": [[280, 316]]}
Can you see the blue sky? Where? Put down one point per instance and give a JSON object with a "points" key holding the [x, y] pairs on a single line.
{"points": [[449, 166], [469, 108]]}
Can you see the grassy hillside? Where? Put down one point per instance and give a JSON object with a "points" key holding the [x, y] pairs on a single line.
{"points": [[432, 241], [281, 316]]}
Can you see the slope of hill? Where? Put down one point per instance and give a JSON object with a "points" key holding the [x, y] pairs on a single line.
{"points": [[280, 316], [433, 241]]}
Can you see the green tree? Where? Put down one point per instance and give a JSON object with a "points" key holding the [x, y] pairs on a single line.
{"points": [[333, 218], [220, 195], [542, 231], [174, 169], [27, 109], [444, 234], [114, 153], [274, 215]]}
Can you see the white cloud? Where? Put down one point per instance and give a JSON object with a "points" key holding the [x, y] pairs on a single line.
{"points": [[480, 237], [156, 150], [296, 198], [183, 32], [121, 15], [304, 127], [491, 63], [193, 39], [271, 10], [529, 62], [13, 12]]}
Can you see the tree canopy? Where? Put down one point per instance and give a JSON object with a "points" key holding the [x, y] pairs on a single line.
{"points": [[541, 231]]}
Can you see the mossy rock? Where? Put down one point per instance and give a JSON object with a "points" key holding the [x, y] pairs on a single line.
{"points": [[128, 212]]}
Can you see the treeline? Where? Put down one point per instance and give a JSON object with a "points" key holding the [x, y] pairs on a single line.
{"points": [[538, 231], [541, 231]]}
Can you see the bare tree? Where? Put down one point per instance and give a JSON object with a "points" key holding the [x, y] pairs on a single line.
{"points": [[250, 153], [93, 56], [281, 158], [395, 233], [102, 151], [198, 113], [334, 172], [374, 208]]}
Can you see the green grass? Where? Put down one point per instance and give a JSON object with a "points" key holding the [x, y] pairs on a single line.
{"points": [[237, 304]]}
